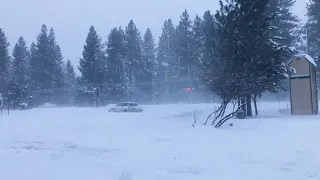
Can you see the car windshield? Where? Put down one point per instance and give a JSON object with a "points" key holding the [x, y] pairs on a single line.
{"points": [[123, 104]]}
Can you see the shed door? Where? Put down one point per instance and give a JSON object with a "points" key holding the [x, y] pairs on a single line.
{"points": [[301, 96]]}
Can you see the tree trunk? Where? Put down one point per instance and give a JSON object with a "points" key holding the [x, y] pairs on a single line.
{"points": [[249, 108], [244, 109], [255, 104]]}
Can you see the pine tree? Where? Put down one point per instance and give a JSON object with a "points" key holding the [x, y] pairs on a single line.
{"points": [[70, 74], [43, 49], [20, 65], [34, 70], [46, 69], [42, 63], [184, 47], [313, 25], [116, 66], [57, 69], [286, 23], [197, 40], [210, 38], [70, 83], [148, 52], [56, 61], [21, 56], [135, 64], [166, 63], [5, 62], [92, 64], [248, 60], [198, 55]]}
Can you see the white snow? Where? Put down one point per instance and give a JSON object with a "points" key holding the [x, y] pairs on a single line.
{"points": [[159, 144]]}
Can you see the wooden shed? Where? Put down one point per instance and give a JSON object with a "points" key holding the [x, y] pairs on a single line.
{"points": [[303, 85]]}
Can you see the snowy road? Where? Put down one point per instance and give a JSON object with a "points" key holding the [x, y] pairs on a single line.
{"points": [[159, 144]]}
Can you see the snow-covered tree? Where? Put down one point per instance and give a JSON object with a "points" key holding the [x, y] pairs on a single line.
{"points": [[117, 76], [208, 26], [56, 61], [248, 60], [148, 53], [21, 56], [135, 64], [184, 46], [70, 83], [5, 61], [313, 25], [92, 64], [41, 63], [46, 68], [198, 41], [166, 64], [285, 22], [34, 70], [56, 66], [198, 49], [20, 66]]}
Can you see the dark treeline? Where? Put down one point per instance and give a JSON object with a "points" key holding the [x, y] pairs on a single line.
{"points": [[236, 53]]}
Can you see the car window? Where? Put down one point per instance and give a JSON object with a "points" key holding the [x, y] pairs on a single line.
{"points": [[122, 104], [134, 104]]}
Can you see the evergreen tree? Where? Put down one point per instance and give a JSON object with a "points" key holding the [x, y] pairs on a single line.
{"points": [[45, 80], [34, 70], [148, 51], [70, 83], [57, 68], [198, 55], [166, 63], [56, 61], [198, 40], [248, 60], [210, 38], [70, 74], [286, 23], [46, 69], [41, 62], [116, 66], [5, 62], [21, 56], [313, 25], [92, 64], [135, 64], [184, 47]]}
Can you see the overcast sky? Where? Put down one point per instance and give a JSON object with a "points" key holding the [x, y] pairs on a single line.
{"points": [[71, 19]]}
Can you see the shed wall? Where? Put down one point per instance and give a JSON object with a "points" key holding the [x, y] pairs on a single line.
{"points": [[301, 96], [301, 66]]}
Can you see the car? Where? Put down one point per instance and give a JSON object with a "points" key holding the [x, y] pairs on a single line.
{"points": [[126, 107]]}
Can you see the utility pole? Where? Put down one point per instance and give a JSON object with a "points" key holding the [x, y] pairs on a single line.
{"points": [[189, 79], [307, 39], [8, 102], [95, 89]]}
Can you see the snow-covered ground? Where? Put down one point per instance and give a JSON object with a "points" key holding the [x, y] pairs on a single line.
{"points": [[159, 144]]}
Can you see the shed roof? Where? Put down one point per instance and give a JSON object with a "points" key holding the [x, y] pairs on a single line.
{"points": [[306, 56]]}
